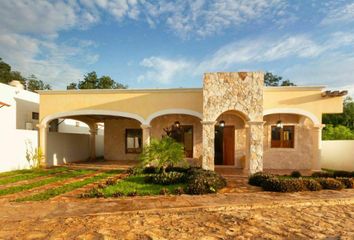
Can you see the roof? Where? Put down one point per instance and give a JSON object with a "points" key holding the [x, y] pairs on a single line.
{"points": [[147, 90], [2, 104]]}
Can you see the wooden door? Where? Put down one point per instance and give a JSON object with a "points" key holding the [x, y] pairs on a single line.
{"points": [[229, 145]]}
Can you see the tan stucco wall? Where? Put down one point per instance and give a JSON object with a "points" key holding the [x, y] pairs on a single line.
{"points": [[299, 157], [338, 155], [114, 139], [159, 123]]}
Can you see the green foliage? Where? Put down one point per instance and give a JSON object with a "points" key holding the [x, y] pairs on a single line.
{"points": [[347, 182], [312, 185], [6, 75], [33, 84], [274, 80], [338, 132], [330, 183], [295, 174], [92, 81], [163, 153], [33, 156], [345, 119], [165, 178], [283, 185], [259, 177], [322, 174], [200, 181]]}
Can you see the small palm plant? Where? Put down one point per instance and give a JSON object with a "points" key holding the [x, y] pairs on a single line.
{"points": [[163, 153]]}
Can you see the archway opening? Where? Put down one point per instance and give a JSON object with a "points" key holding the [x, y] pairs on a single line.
{"points": [[230, 139]]}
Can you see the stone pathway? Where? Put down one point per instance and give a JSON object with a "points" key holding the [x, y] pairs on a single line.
{"points": [[325, 214]]}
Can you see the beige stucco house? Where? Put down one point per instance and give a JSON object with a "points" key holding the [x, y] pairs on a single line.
{"points": [[233, 121]]}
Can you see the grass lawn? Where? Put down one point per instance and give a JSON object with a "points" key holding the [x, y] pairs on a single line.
{"points": [[21, 175], [68, 187], [56, 178], [136, 183]]}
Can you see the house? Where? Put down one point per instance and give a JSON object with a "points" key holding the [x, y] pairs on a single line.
{"points": [[19, 117], [232, 121]]}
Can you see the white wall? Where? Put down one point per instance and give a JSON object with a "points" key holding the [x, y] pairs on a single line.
{"points": [[338, 155], [67, 147], [13, 148]]}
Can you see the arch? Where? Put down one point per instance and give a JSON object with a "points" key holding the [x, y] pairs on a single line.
{"points": [[235, 112], [173, 111], [47, 119], [298, 111]]}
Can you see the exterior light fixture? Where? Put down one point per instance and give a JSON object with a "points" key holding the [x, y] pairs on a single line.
{"points": [[222, 123], [279, 123], [177, 124]]}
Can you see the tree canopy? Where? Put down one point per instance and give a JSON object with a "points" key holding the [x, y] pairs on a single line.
{"points": [[345, 119], [32, 83], [273, 80], [92, 81]]}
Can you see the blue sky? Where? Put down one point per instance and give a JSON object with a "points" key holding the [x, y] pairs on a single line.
{"points": [[162, 44]]}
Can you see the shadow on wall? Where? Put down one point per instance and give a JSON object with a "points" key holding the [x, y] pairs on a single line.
{"points": [[24, 111], [67, 147]]}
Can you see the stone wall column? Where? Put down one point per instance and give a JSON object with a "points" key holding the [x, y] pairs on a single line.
{"points": [[208, 144], [93, 133], [43, 138], [146, 134], [317, 147], [255, 146]]}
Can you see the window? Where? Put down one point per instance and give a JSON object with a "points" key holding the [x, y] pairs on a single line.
{"points": [[184, 135], [133, 140], [282, 137], [35, 116]]}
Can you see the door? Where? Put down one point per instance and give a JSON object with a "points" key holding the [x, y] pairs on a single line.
{"points": [[224, 145], [229, 145]]}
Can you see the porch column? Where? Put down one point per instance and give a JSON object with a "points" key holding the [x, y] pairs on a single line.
{"points": [[255, 147], [93, 133], [146, 134], [43, 136], [208, 144], [317, 146]]}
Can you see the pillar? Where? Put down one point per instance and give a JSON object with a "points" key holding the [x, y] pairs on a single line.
{"points": [[43, 138], [208, 144], [317, 147], [93, 133], [146, 134], [255, 149]]}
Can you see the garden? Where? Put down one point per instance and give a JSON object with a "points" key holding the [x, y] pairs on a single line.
{"points": [[327, 179], [162, 170]]}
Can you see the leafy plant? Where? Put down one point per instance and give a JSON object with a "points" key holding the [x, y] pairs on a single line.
{"points": [[163, 153], [165, 178], [347, 182], [259, 177], [295, 174], [33, 156], [312, 185], [200, 181], [330, 183]]}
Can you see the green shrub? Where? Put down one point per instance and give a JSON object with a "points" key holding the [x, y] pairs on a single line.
{"points": [[201, 181], [134, 170], [322, 175], [271, 184], [163, 153], [150, 170], [177, 169], [132, 194], [117, 194], [295, 174], [283, 185], [312, 185], [347, 182], [164, 191], [94, 192], [330, 183], [179, 191], [259, 177], [165, 178], [345, 174]]}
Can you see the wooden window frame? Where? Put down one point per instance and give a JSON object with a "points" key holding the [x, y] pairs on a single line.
{"points": [[283, 144], [133, 150]]}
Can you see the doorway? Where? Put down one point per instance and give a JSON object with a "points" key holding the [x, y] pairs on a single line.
{"points": [[224, 145]]}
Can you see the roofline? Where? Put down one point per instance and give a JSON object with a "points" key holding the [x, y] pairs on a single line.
{"points": [[148, 90]]}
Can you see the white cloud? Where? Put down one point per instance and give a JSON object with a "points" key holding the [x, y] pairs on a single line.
{"points": [[340, 14], [163, 70]]}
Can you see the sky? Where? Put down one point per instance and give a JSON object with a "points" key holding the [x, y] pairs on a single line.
{"points": [[166, 44]]}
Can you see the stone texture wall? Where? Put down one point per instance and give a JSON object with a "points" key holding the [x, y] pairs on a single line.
{"points": [[236, 91], [299, 157], [114, 138], [159, 123]]}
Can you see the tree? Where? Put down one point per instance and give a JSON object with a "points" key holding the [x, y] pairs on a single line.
{"points": [[274, 80], [6, 75], [91, 81], [34, 84], [346, 118], [339, 132]]}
